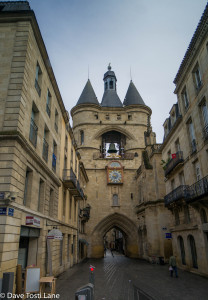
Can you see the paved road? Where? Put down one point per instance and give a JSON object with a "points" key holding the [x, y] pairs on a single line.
{"points": [[120, 278]]}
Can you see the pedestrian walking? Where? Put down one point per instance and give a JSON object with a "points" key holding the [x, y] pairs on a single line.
{"points": [[112, 251], [173, 266]]}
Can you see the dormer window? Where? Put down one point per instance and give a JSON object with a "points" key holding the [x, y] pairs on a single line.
{"points": [[106, 85], [111, 84]]}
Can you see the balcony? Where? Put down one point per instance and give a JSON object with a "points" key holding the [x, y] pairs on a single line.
{"points": [[70, 181], [171, 165], [198, 190], [38, 89], [128, 156], [205, 132], [181, 192], [33, 133], [45, 150], [48, 110], [54, 162]]}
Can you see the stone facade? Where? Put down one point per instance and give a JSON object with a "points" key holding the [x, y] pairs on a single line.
{"points": [[34, 128], [113, 204], [185, 156]]}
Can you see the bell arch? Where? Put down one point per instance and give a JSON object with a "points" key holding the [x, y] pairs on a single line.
{"points": [[121, 222], [114, 128]]}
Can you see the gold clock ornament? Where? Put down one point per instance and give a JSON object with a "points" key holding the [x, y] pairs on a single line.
{"points": [[115, 173]]}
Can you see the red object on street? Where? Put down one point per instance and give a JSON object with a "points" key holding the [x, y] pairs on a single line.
{"points": [[92, 268], [173, 155]]}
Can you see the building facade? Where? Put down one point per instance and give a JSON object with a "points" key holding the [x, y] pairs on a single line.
{"points": [[185, 156], [111, 138], [39, 212]]}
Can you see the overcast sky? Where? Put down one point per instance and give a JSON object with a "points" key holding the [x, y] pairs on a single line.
{"points": [[148, 36]]}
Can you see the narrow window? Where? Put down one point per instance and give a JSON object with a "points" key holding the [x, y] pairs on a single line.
{"points": [[70, 207], [193, 251], [33, 126], [45, 144], [185, 99], [41, 195], [81, 137], [203, 216], [111, 84], [106, 85], [129, 117], [54, 156], [56, 121], [72, 158], [192, 136], [118, 117], [28, 187], [197, 77], [38, 78], [181, 243], [68, 247], [115, 200], [187, 217], [48, 103], [64, 205], [66, 143], [107, 117], [177, 219]]}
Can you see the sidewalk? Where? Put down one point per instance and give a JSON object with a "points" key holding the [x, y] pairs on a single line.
{"points": [[116, 276]]}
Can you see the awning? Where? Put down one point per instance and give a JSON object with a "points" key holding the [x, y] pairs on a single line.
{"points": [[83, 241]]}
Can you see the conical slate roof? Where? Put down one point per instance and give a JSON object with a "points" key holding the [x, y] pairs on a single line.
{"points": [[132, 96], [88, 95], [111, 99]]}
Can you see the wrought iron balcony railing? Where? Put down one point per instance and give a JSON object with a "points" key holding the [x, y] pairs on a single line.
{"points": [[71, 182], [181, 192], [198, 189], [205, 132], [33, 133], [45, 150], [38, 89], [174, 162], [48, 110], [189, 193]]}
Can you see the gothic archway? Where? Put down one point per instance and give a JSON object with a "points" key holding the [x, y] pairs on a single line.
{"points": [[124, 224]]}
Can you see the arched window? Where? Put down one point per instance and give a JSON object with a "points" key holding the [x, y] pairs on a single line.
{"points": [[115, 200], [193, 251], [181, 244], [177, 219], [203, 216], [81, 137]]}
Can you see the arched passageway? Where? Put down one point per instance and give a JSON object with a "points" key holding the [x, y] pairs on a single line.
{"points": [[120, 222]]}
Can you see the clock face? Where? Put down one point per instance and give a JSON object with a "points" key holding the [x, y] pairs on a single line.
{"points": [[115, 176]]}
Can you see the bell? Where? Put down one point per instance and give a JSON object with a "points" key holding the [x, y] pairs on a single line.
{"points": [[112, 148]]}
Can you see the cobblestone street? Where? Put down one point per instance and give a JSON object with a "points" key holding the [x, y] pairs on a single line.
{"points": [[118, 278]]}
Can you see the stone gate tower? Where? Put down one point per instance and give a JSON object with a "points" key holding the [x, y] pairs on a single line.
{"points": [[111, 137]]}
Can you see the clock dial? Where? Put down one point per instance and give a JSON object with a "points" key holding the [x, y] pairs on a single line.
{"points": [[115, 176]]}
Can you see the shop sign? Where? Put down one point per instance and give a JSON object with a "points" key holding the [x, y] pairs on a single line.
{"points": [[31, 220], [168, 235], [55, 234], [3, 211], [11, 212]]}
